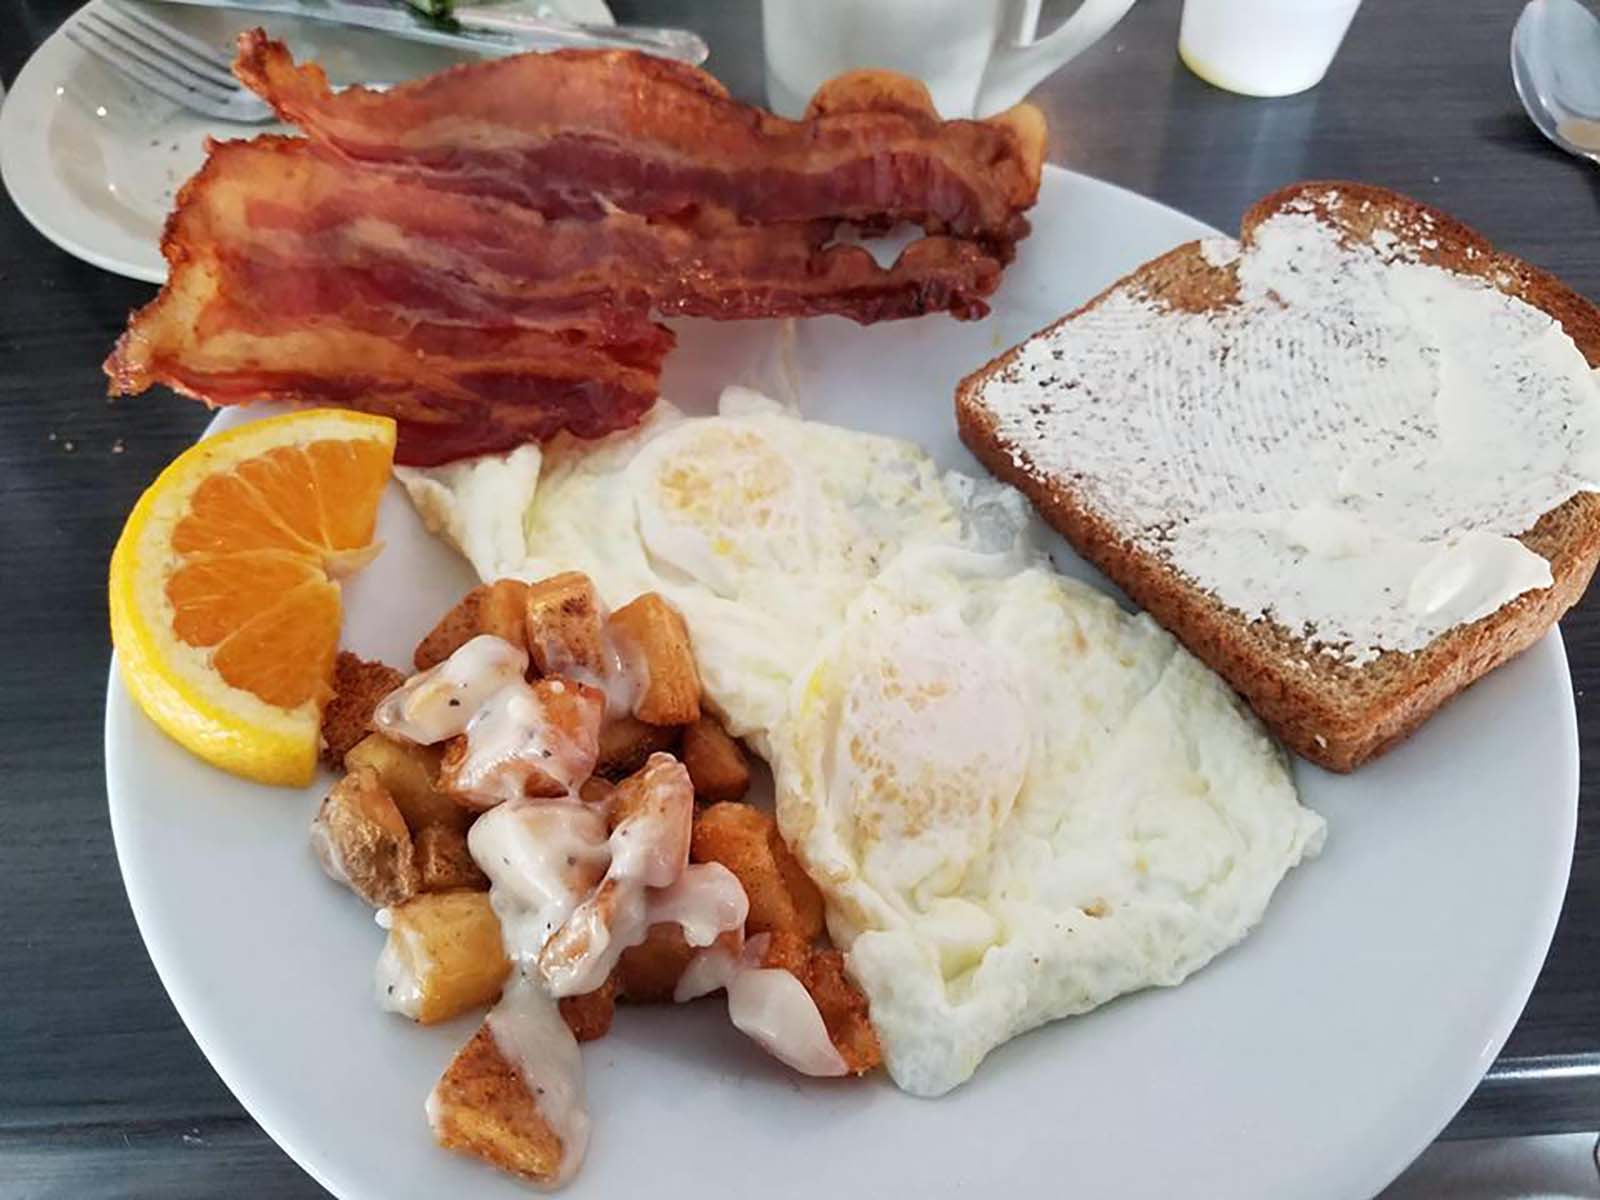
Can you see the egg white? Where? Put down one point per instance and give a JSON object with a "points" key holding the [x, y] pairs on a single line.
{"points": [[1022, 802], [759, 526]]}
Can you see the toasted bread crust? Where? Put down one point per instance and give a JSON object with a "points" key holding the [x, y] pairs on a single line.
{"points": [[1336, 715]]}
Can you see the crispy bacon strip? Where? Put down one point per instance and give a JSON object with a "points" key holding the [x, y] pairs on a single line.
{"points": [[456, 384], [577, 132], [304, 234]]}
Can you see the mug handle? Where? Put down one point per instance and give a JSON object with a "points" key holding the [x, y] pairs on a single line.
{"points": [[1014, 68]]}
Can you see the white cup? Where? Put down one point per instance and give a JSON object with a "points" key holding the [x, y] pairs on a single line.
{"points": [[1263, 47], [977, 57]]}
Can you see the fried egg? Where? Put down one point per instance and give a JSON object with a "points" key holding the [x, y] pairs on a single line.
{"points": [[1018, 800]]}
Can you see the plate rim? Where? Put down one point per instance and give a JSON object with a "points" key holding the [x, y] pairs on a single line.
{"points": [[21, 138], [37, 192], [1465, 1075]]}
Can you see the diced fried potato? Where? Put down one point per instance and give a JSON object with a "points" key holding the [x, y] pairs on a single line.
{"points": [[589, 1015], [627, 742], [566, 719], [456, 779], [563, 629], [659, 798], [358, 685], [746, 841], [596, 791], [649, 972], [494, 608], [650, 633], [843, 1005], [444, 956], [650, 814], [788, 952], [361, 840], [716, 762], [443, 861], [481, 1107], [409, 772]]}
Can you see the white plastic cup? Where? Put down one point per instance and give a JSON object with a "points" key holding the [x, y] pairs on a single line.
{"points": [[1263, 47]]}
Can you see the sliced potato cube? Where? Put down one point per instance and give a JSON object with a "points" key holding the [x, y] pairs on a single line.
{"points": [[842, 1005], [481, 1107], [443, 861], [494, 608], [589, 1015], [746, 841], [557, 732], [627, 742], [361, 840], [648, 973], [658, 802], [564, 627], [716, 762], [596, 791], [409, 772], [444, 956], [651, 638], [358, 685]]}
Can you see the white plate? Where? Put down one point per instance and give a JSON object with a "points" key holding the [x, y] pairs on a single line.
{"points": [[1313, 1061], [93, 161]]}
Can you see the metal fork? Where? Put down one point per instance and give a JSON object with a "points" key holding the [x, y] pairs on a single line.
{"points": [[167, 61]]}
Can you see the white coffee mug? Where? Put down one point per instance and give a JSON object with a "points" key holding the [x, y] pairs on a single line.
{"points": [[976, 56]]}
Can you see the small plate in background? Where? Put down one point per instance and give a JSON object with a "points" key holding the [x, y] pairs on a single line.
{"points": [[94, 161]]}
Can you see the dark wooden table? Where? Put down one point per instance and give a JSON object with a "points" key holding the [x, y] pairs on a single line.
{"points": [[103, 1094]]}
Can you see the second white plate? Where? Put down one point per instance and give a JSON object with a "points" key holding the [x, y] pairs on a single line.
{"points": [[94, 161]]}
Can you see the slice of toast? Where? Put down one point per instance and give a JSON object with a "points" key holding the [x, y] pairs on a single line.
{"points": [[1336, 712]]}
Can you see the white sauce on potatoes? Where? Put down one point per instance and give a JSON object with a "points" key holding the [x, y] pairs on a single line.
{"points": [[766, 1004], [439, 703], [531, 1036]]}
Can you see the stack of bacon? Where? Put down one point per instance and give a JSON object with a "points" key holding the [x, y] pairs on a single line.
{"points": [[479, 253]]}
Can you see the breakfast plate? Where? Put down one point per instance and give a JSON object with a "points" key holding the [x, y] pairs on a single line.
{"points": [[93, 161], [1315, 1059]]}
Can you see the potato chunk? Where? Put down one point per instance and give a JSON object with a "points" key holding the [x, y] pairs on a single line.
{"points": [[494, 608], [539, 744], [564, 627], [589, 1016], [409, 772], [627, 742], [746, 841], [716, 762], [596, 791], [444, 863], [649, 972], [361, 840], [843, 1005], [444, 956], [651, 637], [481, 1107], [358, 685]]}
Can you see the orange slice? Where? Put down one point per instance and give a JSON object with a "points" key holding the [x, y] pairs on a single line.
{"points": [[223, 591]]}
